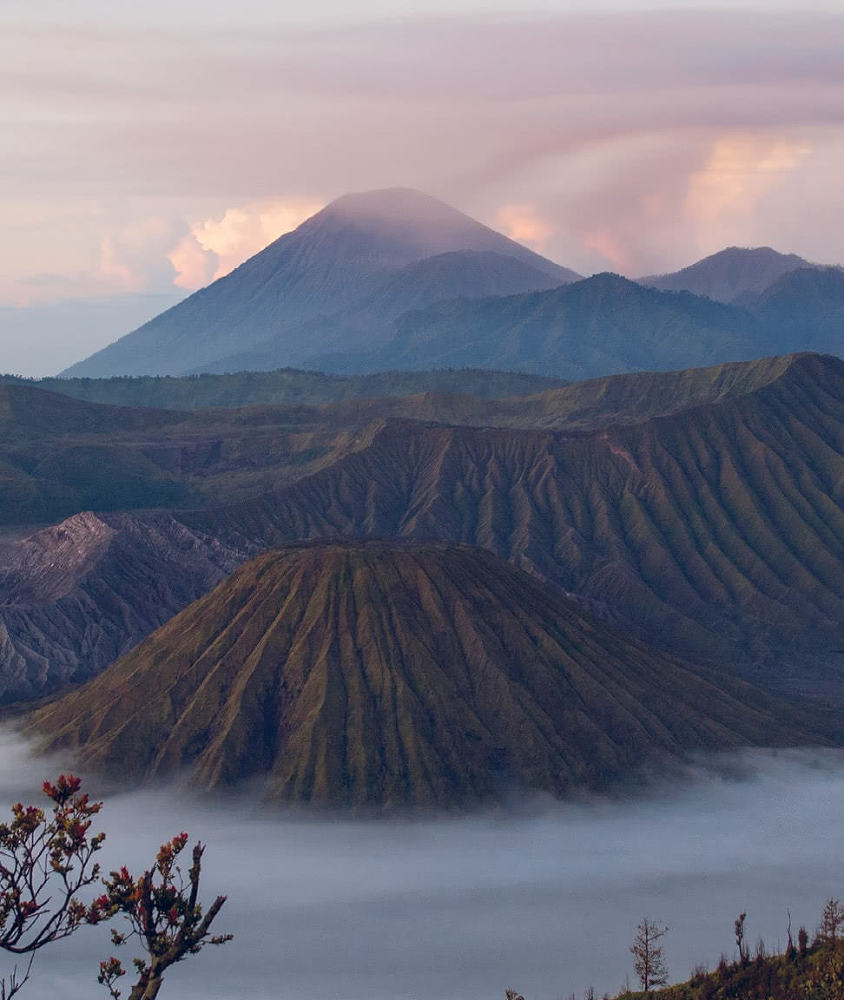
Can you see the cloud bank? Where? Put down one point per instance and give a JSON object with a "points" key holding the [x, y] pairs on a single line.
{"points": [[461, 908]]}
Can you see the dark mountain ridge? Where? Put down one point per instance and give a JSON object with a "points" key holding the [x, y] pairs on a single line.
{"points": [[59, 456], [389, 675], [806, 306]]}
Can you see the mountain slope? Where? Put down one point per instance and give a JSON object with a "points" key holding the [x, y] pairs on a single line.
{"points": [[60, 456], [330, 263], [462, 274], [606, 325], [729, 274], [806, 306], [76, 596], [374, 674], [717, 531], [600, 326]]}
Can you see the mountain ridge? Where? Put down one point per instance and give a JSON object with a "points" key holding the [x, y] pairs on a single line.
{"points": [[76, 596], [60, 455], [602, 325], [607, 325], [649, 497], [717, 531]]}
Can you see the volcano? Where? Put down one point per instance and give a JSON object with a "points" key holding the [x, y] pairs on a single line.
{"points": [[382, 674]]}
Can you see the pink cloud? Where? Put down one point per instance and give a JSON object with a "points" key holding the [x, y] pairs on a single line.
{"points": [[523, 224], [604, 127], [193, 264]]}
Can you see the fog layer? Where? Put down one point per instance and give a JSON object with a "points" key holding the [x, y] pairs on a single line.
{"points": [[458, 909]]}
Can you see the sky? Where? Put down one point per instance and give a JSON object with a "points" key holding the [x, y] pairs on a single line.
{"points": [[147, 149], [545, 900]]}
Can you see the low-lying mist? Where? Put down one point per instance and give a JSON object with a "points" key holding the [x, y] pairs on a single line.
{"points": [[458, 909]]}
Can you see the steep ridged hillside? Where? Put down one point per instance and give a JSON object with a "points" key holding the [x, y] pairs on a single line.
{"points": [[76, 596], [59, 456], [717, 531], [714, 530], [377, 674], [632, 398]]}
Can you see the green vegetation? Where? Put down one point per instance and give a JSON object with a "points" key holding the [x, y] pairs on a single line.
{"points": [[816, 975], [804, 971], [285, 386]]}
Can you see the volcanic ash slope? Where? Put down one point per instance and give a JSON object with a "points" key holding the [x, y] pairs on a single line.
{"points": [[396, 674]]}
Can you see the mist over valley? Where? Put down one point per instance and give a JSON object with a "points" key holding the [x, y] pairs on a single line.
{"points": [[546, 897]]}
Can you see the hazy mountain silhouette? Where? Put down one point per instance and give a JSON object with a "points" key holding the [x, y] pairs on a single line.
{"points": [[277, 301], [384, 674], [606, 325], [730, 274], [599, 326], [806, 305], [463, 274]]}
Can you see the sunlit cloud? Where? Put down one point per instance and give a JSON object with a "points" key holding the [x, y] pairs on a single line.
{"points": [[723, 197], [636, 142], [610, 247], [236, 235], [523, 224], [134, 259], [193, 264]]}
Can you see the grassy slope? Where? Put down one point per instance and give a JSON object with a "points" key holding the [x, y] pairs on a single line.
{"points": [[816, 975], [392, 674]]}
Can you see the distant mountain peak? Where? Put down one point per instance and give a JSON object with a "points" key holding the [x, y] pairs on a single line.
{"points": [[729, 274], [388, 201], [290, 302]]}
